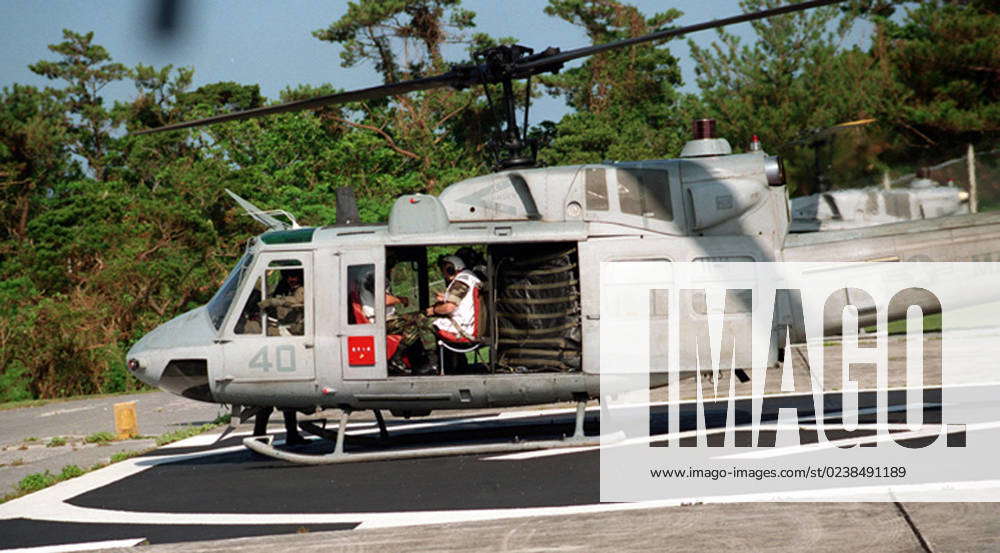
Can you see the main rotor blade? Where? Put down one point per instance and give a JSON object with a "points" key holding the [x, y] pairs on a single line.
{"points": [[462, 76], [370, 93], [541, 65]]}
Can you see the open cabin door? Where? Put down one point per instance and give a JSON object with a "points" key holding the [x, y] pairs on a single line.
{"points": [[268, 336], [362, 314]]}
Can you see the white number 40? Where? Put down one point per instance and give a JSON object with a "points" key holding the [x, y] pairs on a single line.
{"points": [[284, 359]]}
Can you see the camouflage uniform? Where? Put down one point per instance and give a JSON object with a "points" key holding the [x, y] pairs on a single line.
{"points": [[413, 327], [288, 310]]}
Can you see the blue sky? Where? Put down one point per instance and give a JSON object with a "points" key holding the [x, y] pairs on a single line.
{"points": [[270, 43]]}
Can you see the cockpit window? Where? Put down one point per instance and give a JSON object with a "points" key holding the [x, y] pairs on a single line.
{"points": [[219, 304], [284, 301], [251, 319]]}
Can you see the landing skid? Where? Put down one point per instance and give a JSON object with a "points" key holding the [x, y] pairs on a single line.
{"points": [[264, 445]]}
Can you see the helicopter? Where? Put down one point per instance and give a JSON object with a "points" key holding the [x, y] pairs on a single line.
{"points": [[542, 234]]}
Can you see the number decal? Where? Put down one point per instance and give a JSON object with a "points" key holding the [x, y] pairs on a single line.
{"points": [[287, 363], [284, 359], [260, 360]]}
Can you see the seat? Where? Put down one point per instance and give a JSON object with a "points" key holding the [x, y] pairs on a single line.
{"points": [[462, 344], [457, 347]]}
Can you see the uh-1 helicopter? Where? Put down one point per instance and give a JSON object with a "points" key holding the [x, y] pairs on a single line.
{"points": [[543, 234]]}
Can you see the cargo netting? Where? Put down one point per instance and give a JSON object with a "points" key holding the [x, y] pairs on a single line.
{"points": [[537, 308]]}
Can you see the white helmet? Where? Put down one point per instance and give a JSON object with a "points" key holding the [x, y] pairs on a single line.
{"points": [[454, 260]]}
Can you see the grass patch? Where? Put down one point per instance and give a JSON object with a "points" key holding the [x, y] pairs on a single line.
{"points": [[41, 480], [70, 471], [36, 481], [932, 323], [57, 441], [122, 455], [31, 439], [183, 433], [99, 438]]}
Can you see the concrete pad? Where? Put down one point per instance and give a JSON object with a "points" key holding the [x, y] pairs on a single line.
{"points": [[765, 527], [957, 527]]}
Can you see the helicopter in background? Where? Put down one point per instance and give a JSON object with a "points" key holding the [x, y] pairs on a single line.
{"points": [[543, 234]]}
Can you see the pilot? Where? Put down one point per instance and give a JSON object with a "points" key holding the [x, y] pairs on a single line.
{"points": [[457, 308], [287, 304]]}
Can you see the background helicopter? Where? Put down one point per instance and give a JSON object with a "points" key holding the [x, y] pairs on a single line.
{"points": [[560, 222]]}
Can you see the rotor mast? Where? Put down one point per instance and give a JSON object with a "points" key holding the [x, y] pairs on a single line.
{"points": [[500, 64]]}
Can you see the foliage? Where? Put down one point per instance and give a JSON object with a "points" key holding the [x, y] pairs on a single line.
{"points": [[794, 81], [70, 471], [36, 481], [86, 68], [625, 100], [369, 28], [945, 55]]}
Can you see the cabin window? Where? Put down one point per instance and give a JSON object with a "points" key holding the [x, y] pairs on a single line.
{"points": [[251, 319], [597, 190], [645, 192], [283, 302], [276, 304], [361, 294]]}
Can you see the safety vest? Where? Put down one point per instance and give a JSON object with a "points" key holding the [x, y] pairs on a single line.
{"points": [[466, 315]]}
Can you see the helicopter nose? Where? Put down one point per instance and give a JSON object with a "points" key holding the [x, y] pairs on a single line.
{"points": [[176, 355], [144, 363]]}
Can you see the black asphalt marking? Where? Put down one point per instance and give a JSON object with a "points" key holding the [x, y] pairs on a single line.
{"points": [[20, 532], [243, 482]]}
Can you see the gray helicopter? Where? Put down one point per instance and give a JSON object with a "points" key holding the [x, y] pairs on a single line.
{"points": [[540, 235]]}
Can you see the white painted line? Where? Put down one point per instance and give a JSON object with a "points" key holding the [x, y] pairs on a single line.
{"points": [[208, 438], [65, 411], [87, 546]]}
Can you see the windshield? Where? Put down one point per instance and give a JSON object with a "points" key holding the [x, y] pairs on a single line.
{"points": [[219, 304]]}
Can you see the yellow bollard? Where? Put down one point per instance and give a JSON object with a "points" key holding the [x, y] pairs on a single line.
{"points": [[125, 422]]}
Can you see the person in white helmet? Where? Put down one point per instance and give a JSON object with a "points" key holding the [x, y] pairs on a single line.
{"points": [[457, 308]]}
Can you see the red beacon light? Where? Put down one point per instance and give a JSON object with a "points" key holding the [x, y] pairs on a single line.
{"points": [[755, 144]]}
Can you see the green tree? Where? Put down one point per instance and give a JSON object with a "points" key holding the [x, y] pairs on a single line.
{"points": [[625, 101], [419, 28], [793, 80], [87, 68], [945, 55], [404, 40], [34, 148]]}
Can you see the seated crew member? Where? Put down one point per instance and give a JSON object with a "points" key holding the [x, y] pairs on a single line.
{"points": [[287, 305], [456, 308], [403, 331], [367, 298]]}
